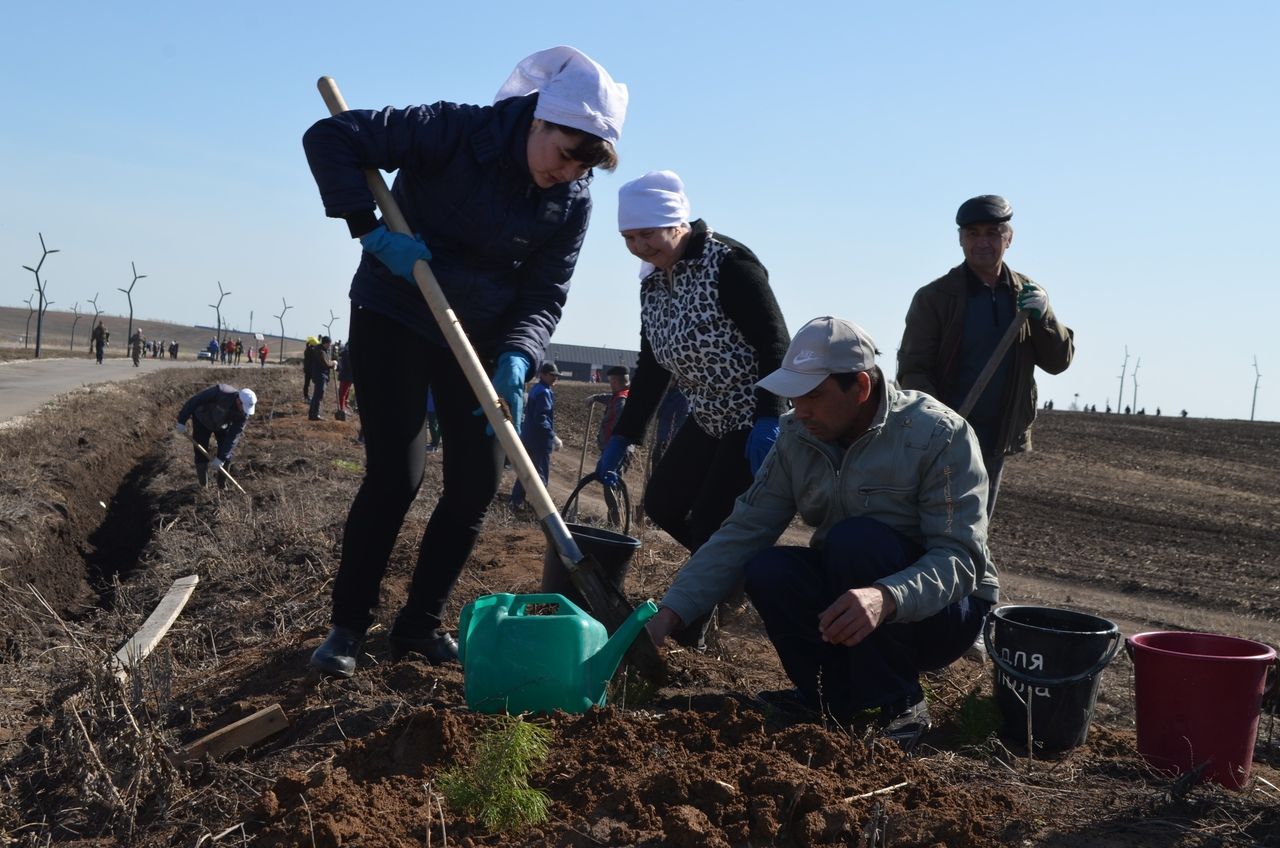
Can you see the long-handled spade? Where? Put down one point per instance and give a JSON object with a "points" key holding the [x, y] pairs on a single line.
{"points": [[997, 356], [606, 601], [221, 468]]}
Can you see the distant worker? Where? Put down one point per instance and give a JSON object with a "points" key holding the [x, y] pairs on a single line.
{"points": [[321, 366], [262, 356], [538, 430], [615, 400], [220, 411], [100, 340], [955, 323], [135, 346], [345, 380], [307, 374]]}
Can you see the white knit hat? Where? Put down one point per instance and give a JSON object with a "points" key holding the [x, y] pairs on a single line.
{"points": [[655, 200], [573, 91]]}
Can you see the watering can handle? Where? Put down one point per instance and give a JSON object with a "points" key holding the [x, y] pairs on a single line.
{"points": [[1048, 682], [523, 601]]}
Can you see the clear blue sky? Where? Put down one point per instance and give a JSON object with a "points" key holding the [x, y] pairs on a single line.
{"points": [[1137, 142]]}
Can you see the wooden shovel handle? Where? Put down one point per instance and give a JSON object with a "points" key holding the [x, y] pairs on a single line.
{"points": [[989, 370]]}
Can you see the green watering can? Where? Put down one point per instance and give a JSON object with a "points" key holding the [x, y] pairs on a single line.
{"points": [[516, 662]]}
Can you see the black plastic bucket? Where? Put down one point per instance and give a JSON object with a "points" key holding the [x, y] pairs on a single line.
{"points": [[1049, 660], [613, 551]]}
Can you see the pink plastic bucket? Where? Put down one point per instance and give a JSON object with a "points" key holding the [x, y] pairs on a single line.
{"points": [[1198, 698]]}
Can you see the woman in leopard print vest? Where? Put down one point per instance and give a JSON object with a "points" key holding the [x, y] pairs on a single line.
{"points": [[709, 323]]}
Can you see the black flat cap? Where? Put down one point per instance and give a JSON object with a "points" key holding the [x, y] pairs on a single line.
{"points": [[987, 209], [548, 368], [618, 371]]}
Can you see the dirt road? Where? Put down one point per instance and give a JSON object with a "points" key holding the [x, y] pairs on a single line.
{"points": [[27, 385]]}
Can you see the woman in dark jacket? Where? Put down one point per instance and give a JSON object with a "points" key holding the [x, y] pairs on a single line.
{"points": [[499, 198], [709, 323]]}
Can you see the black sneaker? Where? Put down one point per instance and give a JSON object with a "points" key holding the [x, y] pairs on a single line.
{"points": [[435, 644], [905, 723], [337, 653]]}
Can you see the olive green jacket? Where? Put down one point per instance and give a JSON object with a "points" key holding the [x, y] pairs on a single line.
{"points": [[931, 340]]}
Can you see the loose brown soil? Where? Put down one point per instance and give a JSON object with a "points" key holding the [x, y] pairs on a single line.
{"points": [[1151, 522]]}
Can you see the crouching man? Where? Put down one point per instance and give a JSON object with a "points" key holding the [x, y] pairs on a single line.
{"points": [[220, 411], [897, 578]]}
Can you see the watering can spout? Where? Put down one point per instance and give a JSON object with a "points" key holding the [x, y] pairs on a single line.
{"points": [[606, 660]]}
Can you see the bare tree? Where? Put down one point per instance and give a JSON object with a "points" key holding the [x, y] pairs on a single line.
{"points": [[327, 327], [1136, 366], [31, 310], [75, 310], [129, 293], [40, 287], [1120, 397], [96, 313], [217, 311], [1257, 379], [287, 307]]}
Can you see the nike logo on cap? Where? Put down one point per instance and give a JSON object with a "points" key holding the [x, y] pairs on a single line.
{"points": [[804, 356]]}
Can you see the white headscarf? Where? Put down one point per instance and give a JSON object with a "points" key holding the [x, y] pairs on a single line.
{"points": [[573, 91], [655, 200]]}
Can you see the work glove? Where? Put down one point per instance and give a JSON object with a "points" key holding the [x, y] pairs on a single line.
{"points": [[760, 442], [508, 382], [395, 250], [215, 464], [611, 459], [181, 429], [557, 444], [1033, 299]]}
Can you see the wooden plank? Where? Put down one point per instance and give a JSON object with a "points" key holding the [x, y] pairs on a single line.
{"points": [[248, 731], [157, 624]]}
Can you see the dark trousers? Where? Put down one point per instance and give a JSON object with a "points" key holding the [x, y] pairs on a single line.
{"points": [[692, 490], [98, 350], [393, 367], [539, 449], [791, 586], [317, 394], [201, 434]]}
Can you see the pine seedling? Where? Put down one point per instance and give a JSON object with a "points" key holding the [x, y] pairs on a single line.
{"points": [[494, 787]]}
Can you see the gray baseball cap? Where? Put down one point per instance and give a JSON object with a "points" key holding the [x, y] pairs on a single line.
{"points": [[823, 347]]}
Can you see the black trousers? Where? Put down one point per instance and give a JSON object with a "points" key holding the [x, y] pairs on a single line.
{"points": [[692, 490], [393, 367]]}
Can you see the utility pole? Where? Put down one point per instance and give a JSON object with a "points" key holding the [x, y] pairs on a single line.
{"points": [[96, 313], [1256, 380], [129, 294], [287, 307], [217, 311], [251, 322], [1120, 397], [31, 310], [1136, 366], [40, 286], [75, 310], [327, 331]]}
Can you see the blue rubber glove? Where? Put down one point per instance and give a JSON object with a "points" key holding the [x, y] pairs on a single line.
{"points": [[611, 460], [760, 442], [1033, 299], [395, 250], [508, 382]]}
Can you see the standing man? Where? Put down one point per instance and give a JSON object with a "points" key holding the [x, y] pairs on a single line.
{"points": [[538, 430], [220, 411], [320, 366], [897, 578], [135, 346], [100, 336], [955, 323]]}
